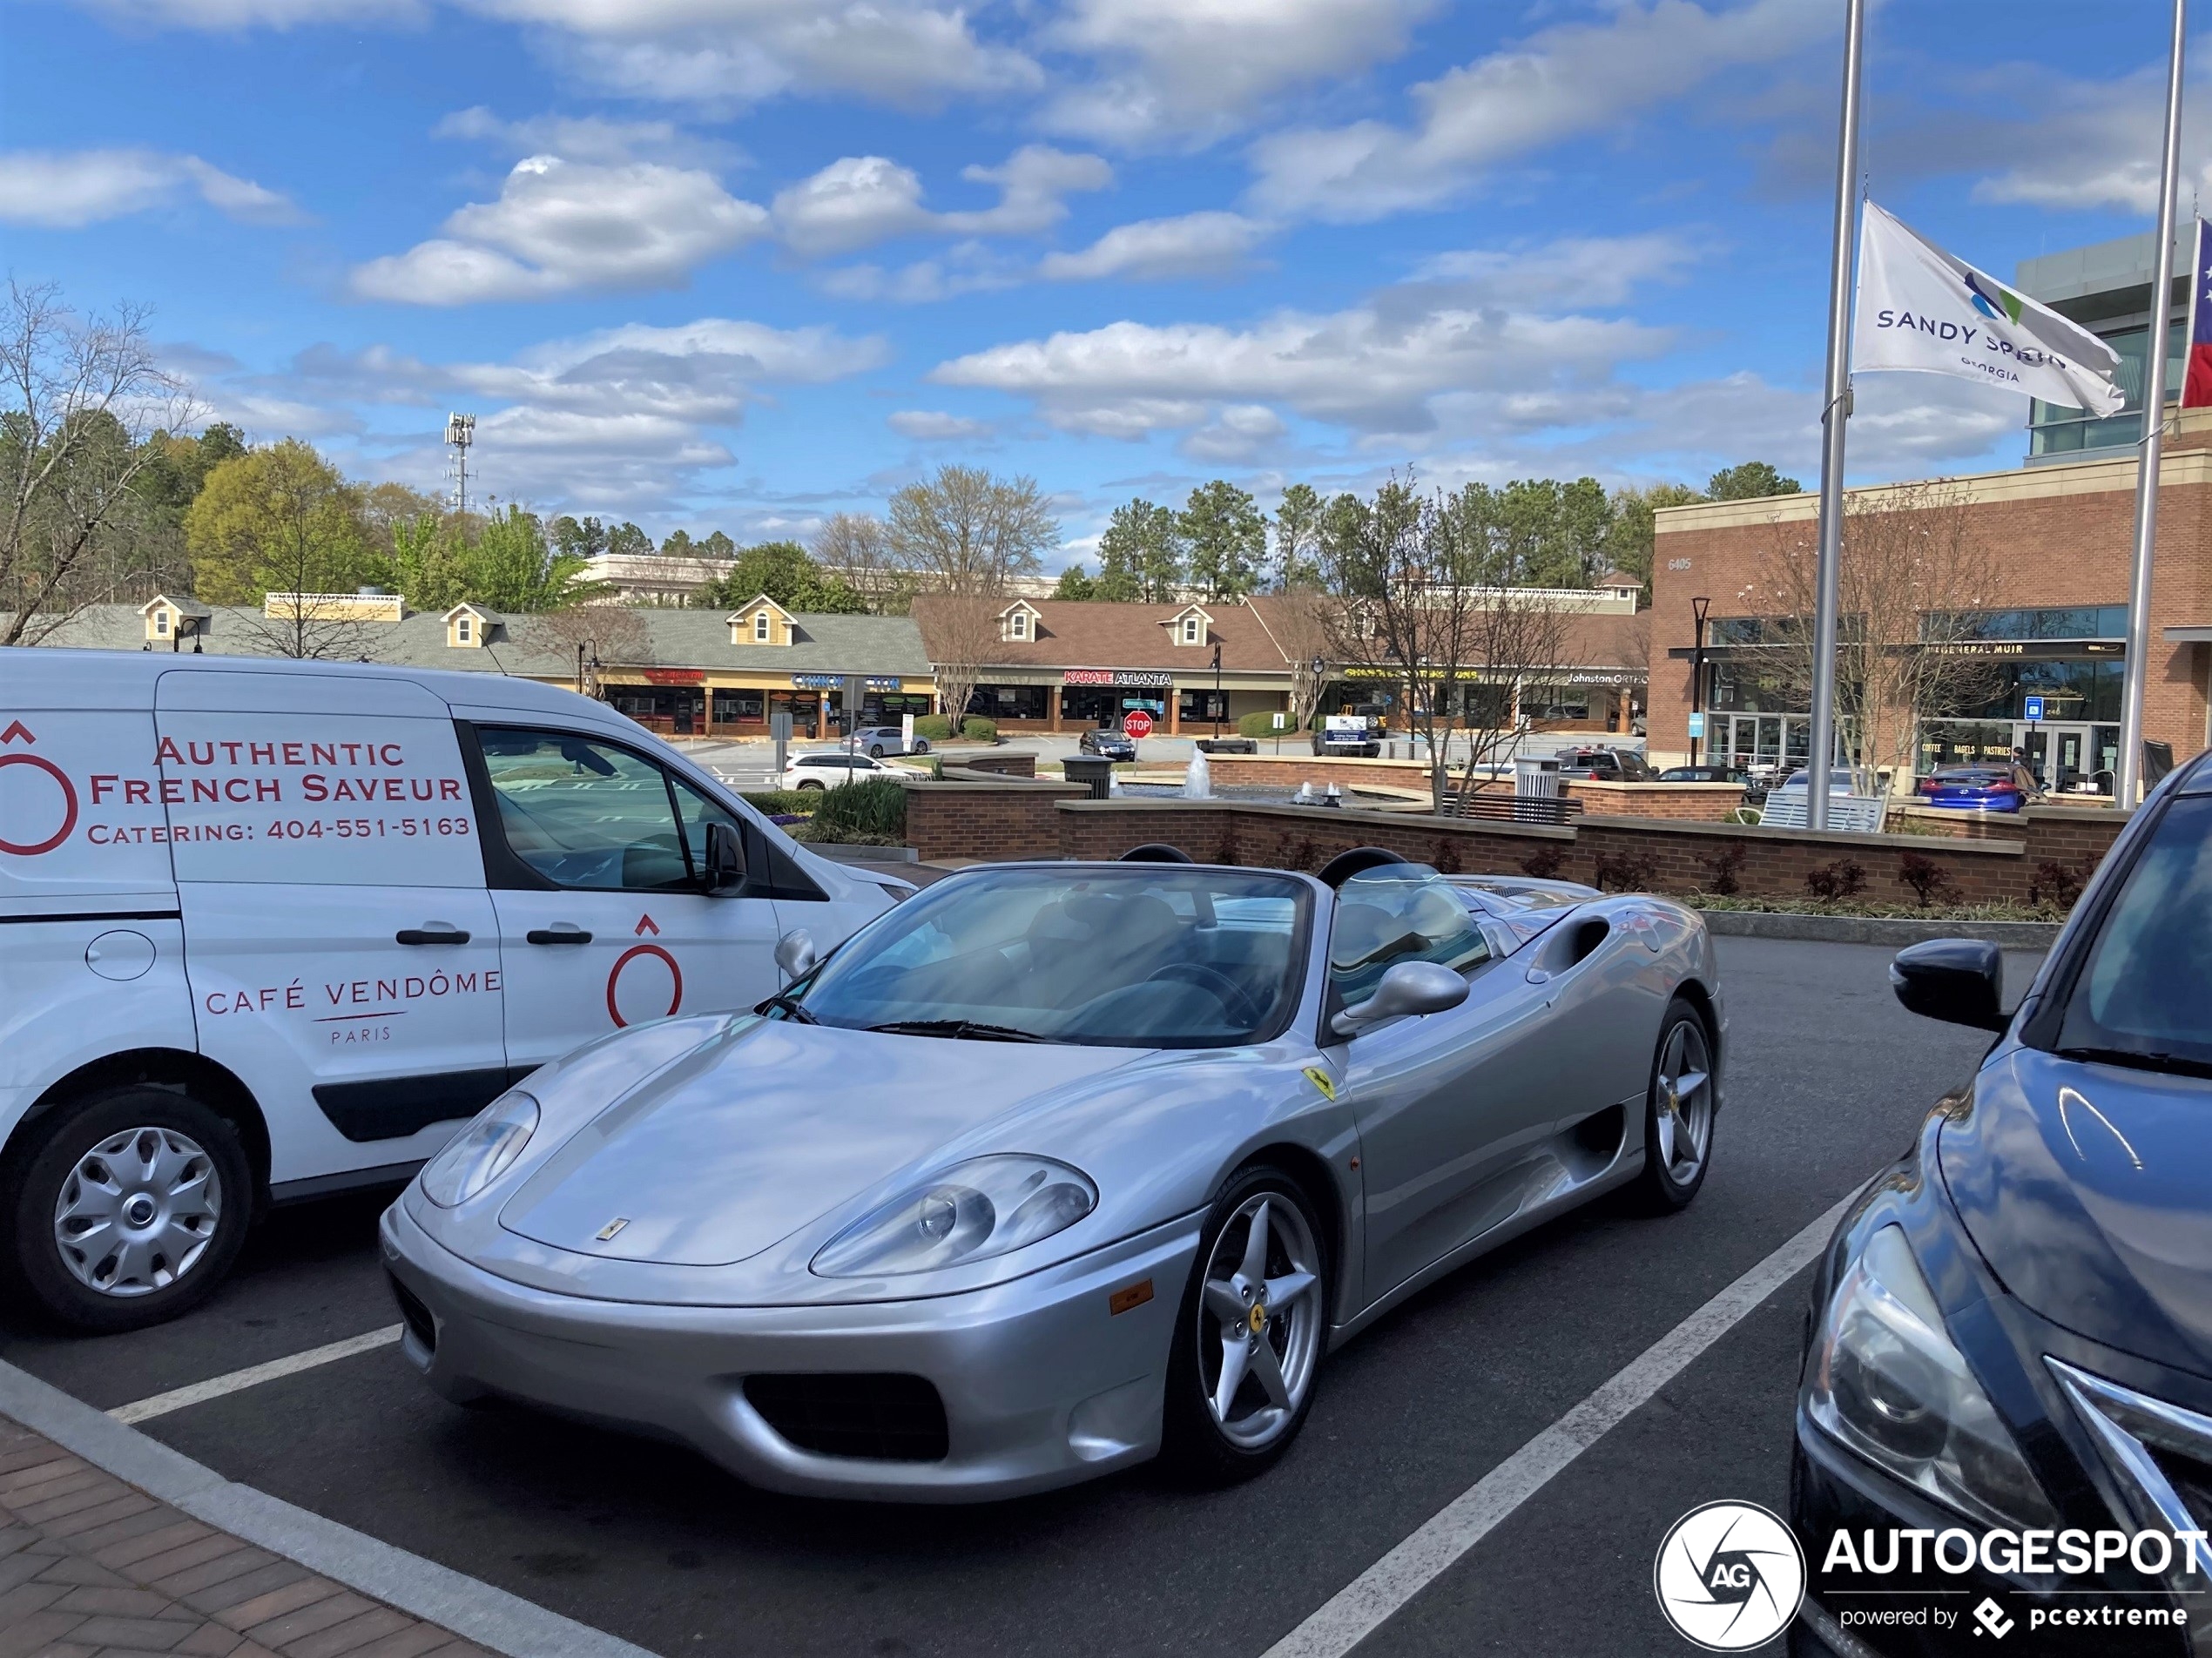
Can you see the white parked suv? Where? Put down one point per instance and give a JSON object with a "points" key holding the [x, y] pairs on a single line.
{"points": [[272, 929], [826, 768]]}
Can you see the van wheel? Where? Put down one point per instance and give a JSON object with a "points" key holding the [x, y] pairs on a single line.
{"points": [[128, 1210]]}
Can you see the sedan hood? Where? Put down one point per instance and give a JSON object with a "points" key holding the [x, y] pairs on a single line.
{"points": [[721, 1154], [2088, 1190]]}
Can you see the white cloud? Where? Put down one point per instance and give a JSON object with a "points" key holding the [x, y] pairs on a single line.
{"points": [[1193, 69], [560, 227], [1239, 433], [1563, 82], [1380, 367], [935, 426], [67, 189], [1154, 249], [2089, 145], [581, 138], [860, 201]]}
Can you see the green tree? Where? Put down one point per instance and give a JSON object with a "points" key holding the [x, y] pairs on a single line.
{"points": [[512, 566], [280, 529], [1749, 481], [1140, 556], [1344, 521], [717, 546], [1226, 538], [1074, 582], [1298, 540], [1629, 545], [786, 573], [582, 537], [679, 544], [427, 561], [627, 538]]}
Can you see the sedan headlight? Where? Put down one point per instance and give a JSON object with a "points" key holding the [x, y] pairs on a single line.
{"points": [[974, 1211], [481, 1152], [1888, 1383]]}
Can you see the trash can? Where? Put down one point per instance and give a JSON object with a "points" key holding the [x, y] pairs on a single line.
{"points": [[1094, 770], [1537, 795]]}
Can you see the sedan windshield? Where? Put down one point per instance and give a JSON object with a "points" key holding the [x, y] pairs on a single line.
{"points": [[2140, 997], [1111, 955]]}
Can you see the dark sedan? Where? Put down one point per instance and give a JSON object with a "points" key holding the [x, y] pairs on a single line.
{"points": [[1107, 743], [1980, 788], [1701, 774], [2005, 1417]]}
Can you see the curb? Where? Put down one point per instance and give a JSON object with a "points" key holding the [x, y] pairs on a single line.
{"points": [[1876, 929], [473, 1610]]}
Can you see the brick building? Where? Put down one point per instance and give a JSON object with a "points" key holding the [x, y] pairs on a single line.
{"points": [[2053, 629]]}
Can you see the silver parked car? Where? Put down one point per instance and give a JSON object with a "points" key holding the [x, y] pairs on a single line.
{"points": [[879, 740], [1058, 1167]]}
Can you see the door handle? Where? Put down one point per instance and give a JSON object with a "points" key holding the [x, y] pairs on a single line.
{"points": [[561, 934], [436, 935]]}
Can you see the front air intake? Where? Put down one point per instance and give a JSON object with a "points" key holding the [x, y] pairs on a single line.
{"points": [[886, 1418]]}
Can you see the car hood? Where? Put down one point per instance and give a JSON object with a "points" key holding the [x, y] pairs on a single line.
{"points": [[2088, 1190], [715, 1158]]}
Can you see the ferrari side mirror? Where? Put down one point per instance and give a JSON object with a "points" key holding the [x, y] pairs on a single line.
{"points": [[1411, 988], [795, 955]]}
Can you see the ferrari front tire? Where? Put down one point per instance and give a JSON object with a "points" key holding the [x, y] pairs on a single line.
{"points": [[1679, 1111], [1250, 1337]]}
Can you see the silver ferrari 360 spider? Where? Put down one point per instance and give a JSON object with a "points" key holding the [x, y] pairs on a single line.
{"points": [[1057, 1167]]}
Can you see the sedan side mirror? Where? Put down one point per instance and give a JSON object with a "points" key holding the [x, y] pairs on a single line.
{"points": [[795, 954], [1411, 988], [725, 858], [1959, 980]]}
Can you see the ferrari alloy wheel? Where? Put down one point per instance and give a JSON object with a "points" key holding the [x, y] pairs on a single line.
{"points": [[1249, 1345], [1678, 1130], [129, 1209]]}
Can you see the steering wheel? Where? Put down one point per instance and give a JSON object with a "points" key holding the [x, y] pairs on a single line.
{"points": [[1232, 996]]}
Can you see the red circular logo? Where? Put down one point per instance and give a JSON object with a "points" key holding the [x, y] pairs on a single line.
{"points": [[614, 976], [1138, 723], [69, 807]]}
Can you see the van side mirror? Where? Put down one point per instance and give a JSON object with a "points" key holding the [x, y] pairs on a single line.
{"points": [[1960, 981], [725, 858], [1414, 987], [795, 956]]}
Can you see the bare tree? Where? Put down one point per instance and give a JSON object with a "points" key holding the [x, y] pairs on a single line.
{"points": [[1418, 607], [1913, 574], [1299, 623], [84, 393], [595, 635], [856, 549], [960, 537]]}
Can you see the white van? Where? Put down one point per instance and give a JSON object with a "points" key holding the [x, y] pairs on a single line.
{"points": [[271, 929]]}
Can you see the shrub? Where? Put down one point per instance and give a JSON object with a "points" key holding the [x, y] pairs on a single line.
{"points": [[1929, 881], [778, 802], [1544, 863], [1843, 879], [875, 810], [976, 729], [1625, 871], [1444, 857], [1722, 868], [2060, 885], [935, 727], [1263, 726]]}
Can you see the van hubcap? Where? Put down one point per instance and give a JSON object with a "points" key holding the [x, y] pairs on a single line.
{"points": [[137, 1211]]}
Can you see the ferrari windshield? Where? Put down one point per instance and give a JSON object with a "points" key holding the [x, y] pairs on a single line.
{"points": [[1119, 955]]}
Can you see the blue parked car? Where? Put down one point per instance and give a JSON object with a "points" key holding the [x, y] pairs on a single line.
{"points": [[1980, 788], [2010, 1341]]}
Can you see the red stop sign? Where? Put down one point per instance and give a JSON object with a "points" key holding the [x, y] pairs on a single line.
{"points": [[1136, 722]]}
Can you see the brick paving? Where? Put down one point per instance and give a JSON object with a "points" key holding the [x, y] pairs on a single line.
{"points": [[92, 1567]]}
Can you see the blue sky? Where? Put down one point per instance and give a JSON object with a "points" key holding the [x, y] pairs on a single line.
{"points": [[741, 263]]}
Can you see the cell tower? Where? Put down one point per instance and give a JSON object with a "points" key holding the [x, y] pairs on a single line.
{"points": [[461, 432]]}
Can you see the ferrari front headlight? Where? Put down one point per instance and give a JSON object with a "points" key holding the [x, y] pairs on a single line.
{"points": [[974, 1211], [481, 1152], [1888, 1381]]}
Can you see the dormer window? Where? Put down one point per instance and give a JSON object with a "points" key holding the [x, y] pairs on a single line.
{"points": [[1192, 626], [161, 624], [461, 626], [760, 626], [1017, 625], [1018, 622]]}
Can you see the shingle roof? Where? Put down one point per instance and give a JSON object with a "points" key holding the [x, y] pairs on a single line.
{"points": [[1091, 633], [869, 644]]}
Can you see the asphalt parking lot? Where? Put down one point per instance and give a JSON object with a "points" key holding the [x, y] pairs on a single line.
{"points": [[1827, 1077]]}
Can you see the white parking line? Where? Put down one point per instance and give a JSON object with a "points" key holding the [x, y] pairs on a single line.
{"points": [[253, 1376], [1362, 1605]]}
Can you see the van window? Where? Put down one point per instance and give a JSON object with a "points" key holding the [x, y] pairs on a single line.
{"points": [[696, 812], [585, 814]]}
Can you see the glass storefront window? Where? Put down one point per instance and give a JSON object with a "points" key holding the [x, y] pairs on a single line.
{"points": [[2066, 622], [2054, 428], [1010, 702], [733, 706]]}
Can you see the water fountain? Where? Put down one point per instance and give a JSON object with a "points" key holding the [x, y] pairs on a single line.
{"points": [[1198, 781]]}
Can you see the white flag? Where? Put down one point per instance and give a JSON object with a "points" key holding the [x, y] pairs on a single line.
{"points": [[1921, 309]]}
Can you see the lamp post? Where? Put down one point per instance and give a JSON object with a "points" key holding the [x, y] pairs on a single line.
{"points": [[1219, 703], [1697, 607]]}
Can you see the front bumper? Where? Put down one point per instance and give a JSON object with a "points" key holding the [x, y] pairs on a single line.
{"points": [[1932, 1614], [1042, 1383]]}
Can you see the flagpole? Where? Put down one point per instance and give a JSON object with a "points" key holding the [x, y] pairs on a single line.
{"points": [[1835, 409], [2128, 785]]}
